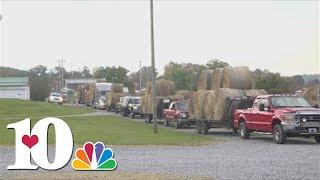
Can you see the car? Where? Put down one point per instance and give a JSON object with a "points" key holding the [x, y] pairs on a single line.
{"points": [[282, 115], [177, 113], [55, 98], [134, 107]]}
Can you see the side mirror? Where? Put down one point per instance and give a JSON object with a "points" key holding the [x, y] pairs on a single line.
{"points": [[316, 106], [261, 107]]}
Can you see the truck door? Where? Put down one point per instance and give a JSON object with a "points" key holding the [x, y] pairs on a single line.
{"points": [[265, 116], [253, 120], [171, 111]]}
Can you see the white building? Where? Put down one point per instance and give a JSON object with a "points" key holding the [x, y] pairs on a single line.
{"points": [[14, 88]]}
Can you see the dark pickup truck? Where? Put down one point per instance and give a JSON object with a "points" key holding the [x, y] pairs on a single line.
{"points": [[282, 115]]}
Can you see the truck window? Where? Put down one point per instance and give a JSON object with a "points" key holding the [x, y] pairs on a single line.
{"points": [[265, 102], [256, 104]]}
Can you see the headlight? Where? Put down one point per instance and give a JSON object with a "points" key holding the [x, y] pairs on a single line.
{"points": [[288, 117], [183, 115]]}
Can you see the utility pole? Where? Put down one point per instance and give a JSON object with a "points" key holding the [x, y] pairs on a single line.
{"points": [[61, 74], [155, 125], [140, 84]]}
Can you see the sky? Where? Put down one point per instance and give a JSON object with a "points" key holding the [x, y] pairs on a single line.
{"points": [[281, 36]]}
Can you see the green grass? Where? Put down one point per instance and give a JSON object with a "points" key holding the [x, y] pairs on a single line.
{"points": [[114, 130], [20, 108]]}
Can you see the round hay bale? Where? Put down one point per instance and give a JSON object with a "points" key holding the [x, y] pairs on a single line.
{"points": [[209, 104], [112, 98], [205, 79], [198, 103], [163, 88], [255, 92], [220, 99], [185, 93], [312, 93], [176, 97], [237, 78], [216, 81], [117, 88]]}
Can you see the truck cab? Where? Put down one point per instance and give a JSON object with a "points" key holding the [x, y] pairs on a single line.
{"points": [[282, 115], [177, 113]]}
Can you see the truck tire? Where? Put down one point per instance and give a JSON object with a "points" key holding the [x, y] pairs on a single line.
{"points": [[244, 132], [317, 138], [176, 123], [204, 127], [165, 122], [279, 136], [198, 131]]}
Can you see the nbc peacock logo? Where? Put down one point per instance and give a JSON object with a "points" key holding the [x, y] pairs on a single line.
{"points": [[94, 157]]}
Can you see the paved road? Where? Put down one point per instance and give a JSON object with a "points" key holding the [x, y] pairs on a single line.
{"points": [[256, 158]]}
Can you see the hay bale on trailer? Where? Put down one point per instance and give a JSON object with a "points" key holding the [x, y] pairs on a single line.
{"points": [[209, 104], [220, 101], [112, 98], [185, 93], [117, 88], [216, 81], [196, 104], [255, 92], [163, 88], [205, 79], [237, 78], [312, 93]]}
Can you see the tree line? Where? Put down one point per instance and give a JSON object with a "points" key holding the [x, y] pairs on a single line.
{"points": [[185, 75]]}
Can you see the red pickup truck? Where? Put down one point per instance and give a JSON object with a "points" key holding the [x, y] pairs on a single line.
{"points": [[177, 114], [282, 115]]}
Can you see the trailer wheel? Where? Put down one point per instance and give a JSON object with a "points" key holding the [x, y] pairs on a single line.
{"points": [[317, 138], [244, 133], [198, 127], [204, 127]]}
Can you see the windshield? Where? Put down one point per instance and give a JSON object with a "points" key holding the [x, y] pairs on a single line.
{"points": [[289, 102], [136, 101], [103, 93], [55, 94], [182, 105]]}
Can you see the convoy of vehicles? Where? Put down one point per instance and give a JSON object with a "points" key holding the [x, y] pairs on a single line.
{"points": [[282, 115], [178, 114]]}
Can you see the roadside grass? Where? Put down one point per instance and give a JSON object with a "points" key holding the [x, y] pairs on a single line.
{"points": [[21, 108], [114, 130]]}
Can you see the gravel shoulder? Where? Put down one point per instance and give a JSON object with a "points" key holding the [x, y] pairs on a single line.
{"points": [[256, 158]]}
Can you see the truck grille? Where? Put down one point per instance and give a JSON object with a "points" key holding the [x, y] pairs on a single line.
{"points": [[311, 118]]}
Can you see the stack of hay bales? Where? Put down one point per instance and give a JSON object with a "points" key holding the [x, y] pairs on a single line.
{"points": [[216, 81], [214, 87], [113, 97], [163, 88], [312, 93], [89, 93], [117, 88], [205, 79], [185, 93], [237, 78]]}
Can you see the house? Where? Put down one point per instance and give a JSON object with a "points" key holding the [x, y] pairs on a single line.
{"points": [[14, 87]]}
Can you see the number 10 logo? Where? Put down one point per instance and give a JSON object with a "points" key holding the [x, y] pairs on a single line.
{"points": [[35, 144]]}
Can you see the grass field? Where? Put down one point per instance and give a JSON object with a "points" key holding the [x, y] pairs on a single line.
{"points": [[108, 129], [20, 108]]}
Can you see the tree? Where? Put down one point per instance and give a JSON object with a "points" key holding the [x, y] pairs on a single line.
{"points": [[112, 74], [146, 76], [216, 63], [12, 72], [85, 73], [39, 83]]}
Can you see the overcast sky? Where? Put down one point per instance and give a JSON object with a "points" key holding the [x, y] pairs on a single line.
{"points": [[280, 36]]}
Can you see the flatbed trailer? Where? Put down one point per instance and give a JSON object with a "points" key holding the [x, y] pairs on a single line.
{"points": [[233, 103]]}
